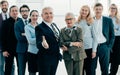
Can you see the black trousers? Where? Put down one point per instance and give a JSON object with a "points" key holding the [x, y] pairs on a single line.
{"points": [[9, 63], [47, 65], [103, 52], [87, 62]]}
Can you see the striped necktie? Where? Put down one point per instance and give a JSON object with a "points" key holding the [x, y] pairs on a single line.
{"points": [[55, 31]]}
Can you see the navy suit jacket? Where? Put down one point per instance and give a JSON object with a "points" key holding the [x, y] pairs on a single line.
{"points": [[1, 19], [108, 31], [22, 44], [44, 30]]}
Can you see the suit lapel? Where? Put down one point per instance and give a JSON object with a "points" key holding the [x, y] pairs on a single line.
{"points": [[48, 29], [104, 24]]}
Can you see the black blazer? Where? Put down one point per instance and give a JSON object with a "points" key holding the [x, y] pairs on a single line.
{"points": [[43, 30], [108, 31], [22, 44], [9, 41], [1, 19]]}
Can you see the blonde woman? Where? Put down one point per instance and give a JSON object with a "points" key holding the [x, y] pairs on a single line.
{"points": [[85, 21], [115, 54]]}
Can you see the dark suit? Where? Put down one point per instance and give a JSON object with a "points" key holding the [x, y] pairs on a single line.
{"points": [[103, 50], [1, 55], [74, 57], [9, 43], [48, 58], [22, 46]]}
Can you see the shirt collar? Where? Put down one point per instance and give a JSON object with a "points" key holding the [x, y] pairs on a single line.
{"points": [[99, 19], [48, 24]]}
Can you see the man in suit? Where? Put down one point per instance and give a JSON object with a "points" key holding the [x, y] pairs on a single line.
{"points": [[3, 16], [22, 44], [47, 39], [105, 37], [9, 41], [71, 42]]}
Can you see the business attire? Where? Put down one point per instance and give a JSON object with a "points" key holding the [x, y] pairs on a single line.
{"points": [[90, 44], [47, 58], [105, 37], [115, 53], [75, 56], [32, 48], [22, 45], [9, 43], [3, 16]]}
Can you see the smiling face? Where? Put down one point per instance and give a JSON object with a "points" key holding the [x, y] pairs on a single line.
{"points": [[47, 14], [24, 12], [70, 20], [113, 10], [4, 7], [14, 12], [85, 11], [34, 16]]}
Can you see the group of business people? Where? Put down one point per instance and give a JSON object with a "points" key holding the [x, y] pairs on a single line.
{"points": [[82, 41]]}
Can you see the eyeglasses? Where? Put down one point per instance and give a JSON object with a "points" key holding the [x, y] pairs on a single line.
{"points": [[24, 10], [67, 19], [113, 8]]}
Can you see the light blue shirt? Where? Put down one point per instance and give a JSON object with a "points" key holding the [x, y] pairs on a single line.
{"points": [[116, 26], [89, 39], [30, 35]]}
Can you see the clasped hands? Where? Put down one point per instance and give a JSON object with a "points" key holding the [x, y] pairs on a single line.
{"points": [[77, 44]]}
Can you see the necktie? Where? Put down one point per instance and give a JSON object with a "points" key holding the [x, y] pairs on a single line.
{"points": [[55, 32], [69, 31], [26, 22], [5, 16]]}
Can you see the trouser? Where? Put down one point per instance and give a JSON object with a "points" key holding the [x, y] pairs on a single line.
{"points": [[103, 53], [22, 59], [1, 64], [9, 61], [74, 67], [87, 62]]}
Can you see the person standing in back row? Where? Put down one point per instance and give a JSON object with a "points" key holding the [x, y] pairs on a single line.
{"points": [[3, 16], [22, 44], [105, 37], [9, 41], [115, 53]]}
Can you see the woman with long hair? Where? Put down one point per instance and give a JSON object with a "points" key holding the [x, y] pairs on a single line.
{"points": [[115, 53], [86, 22]]}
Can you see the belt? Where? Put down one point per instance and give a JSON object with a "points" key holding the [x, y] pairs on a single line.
{"points": [[99, 44]]}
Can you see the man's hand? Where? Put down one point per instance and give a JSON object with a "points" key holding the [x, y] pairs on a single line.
{"points": [[6, 54], [93, 55], [64, 48], [23, 34], [44, 43]]}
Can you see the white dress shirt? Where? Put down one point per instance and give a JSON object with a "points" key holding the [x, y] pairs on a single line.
{"points": [[98, 29], [3, 15]]}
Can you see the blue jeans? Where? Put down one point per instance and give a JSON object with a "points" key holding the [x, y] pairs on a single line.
{"points": [[22, 59], [1, 64]]}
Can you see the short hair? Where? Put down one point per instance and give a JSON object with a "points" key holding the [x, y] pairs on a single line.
{"points": [[12, 7], [98, 4], [45, 8], [24, 6], [70, 14], [3, 1]]}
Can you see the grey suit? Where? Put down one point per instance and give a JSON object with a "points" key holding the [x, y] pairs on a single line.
{"points": [[74, 56]]}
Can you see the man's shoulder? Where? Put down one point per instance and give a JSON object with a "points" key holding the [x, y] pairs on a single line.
{"points": [[106, 18]]}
